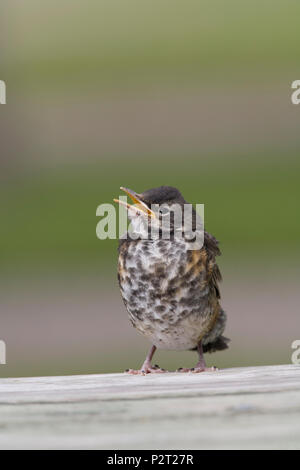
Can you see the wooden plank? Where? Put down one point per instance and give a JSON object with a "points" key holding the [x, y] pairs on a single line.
{"points": [[253, 407]]}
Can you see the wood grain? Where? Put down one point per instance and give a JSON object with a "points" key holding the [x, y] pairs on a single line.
{"points": [[253, 407]]}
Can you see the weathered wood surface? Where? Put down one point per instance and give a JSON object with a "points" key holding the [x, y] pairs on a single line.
{"points": [[255, 407]]}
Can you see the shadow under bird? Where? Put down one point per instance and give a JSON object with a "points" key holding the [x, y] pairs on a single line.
{"points": [[169, 286]]}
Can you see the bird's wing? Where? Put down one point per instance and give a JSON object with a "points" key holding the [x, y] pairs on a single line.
{"points": [[211, 246]]}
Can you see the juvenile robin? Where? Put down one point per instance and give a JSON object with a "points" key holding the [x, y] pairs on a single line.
{"points": [[169, 286]]}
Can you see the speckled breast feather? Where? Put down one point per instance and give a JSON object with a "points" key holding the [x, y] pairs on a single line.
{"points": [[170, 293]]}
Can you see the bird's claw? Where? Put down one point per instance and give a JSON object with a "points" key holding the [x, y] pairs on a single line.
{"points": [[146, 369], [197, 370]]}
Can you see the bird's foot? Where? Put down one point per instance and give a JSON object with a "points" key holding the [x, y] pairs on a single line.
{"points": [[146, 369], [198, 369]]}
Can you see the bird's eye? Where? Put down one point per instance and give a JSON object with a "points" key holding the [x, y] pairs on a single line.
{"points": [[164, 210]]}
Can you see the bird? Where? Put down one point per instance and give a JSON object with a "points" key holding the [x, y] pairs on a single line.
{"points": [[170, 288]]}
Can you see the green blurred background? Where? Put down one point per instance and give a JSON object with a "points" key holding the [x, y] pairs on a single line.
{"points": [[105, 93]]}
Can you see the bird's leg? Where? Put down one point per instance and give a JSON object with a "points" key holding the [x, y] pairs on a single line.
{"points": [[201, 364], [147, 367]]}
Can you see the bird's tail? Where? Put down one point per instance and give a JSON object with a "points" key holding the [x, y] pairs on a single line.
{"points": [[218, 345]]}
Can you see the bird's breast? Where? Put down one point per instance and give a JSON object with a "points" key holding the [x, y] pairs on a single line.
{"points": [[164, 287]]}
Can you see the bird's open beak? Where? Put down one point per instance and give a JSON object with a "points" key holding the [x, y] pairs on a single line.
{"points": [[138, 205]]}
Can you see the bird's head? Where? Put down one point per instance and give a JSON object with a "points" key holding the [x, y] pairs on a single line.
{"points": [[157, 212]]}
